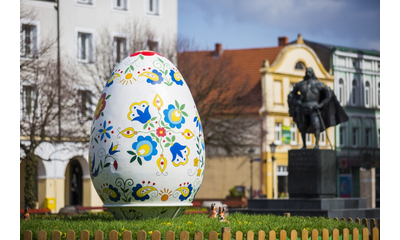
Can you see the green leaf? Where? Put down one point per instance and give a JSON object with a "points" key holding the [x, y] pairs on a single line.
{"points": [[125, 190], [182, 107], [139, 161], [131, 153], [107, 164], [95, 139], [126, 70], [154, 118], [102, 114], [101, 164], [153, 135], [169, 83], [167, 145], [132, 68], [145, 126], [177, 104], [166, 72], [133, 159], [184, 114], [160, 60], [141, 56], [168, 139], [152, 125], [173, 138], [108, 96]]}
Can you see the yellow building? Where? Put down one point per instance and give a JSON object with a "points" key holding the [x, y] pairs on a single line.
{"points": [[278, 78]]}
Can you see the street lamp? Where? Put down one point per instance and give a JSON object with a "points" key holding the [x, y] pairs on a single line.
{"points": [[273, 147], [251, 154]]}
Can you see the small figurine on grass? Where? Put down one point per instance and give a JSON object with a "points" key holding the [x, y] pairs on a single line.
{"points": [[213, 211], [222, 215], [26, 213]]}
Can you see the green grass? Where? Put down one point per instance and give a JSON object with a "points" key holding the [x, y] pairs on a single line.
{"points": [[191, 223]]}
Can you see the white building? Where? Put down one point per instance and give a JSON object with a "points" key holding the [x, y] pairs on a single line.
{"points": [[120, 26]]}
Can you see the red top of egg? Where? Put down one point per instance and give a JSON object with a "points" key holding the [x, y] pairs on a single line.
{"points": [[145, 53]]}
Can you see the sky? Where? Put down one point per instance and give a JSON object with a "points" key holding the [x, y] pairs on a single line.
{"points": [[238, 24]]}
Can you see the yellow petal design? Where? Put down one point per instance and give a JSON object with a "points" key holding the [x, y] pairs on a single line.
{"points": [[143, 150], [128, 132], [150, 75], [162, 163], [184, 190], [110, 192], [144, 191], [158, 102], [113, 77], [187, 134]]}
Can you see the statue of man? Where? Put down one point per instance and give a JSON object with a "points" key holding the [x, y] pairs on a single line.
{"points": [[314, 107]]}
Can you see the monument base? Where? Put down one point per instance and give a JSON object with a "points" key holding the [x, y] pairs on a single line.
{"points": [[320, 207], [312, 173]]}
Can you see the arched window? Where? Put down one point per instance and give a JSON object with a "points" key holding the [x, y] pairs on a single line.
{"points": [[341, 91], [354, 92], [300, 66], [367, 97]]}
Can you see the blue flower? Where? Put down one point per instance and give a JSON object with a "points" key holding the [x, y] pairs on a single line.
{"points": [[110, 80], [104, 131], [142, 193], [113, 193], [139, 112], [94, 172], [176, 77], [113, 149], [180, 154], [155, 78], [197, 120], [145, 147], [174, 117]]}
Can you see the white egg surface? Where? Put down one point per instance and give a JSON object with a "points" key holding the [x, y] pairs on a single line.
{"points": [[147, 153]]}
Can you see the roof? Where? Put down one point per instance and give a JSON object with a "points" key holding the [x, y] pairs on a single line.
{"points": [[243, 71], [324, 51]]}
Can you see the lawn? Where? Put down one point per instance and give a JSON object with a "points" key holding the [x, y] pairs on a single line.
{"points": [[190, 222]]}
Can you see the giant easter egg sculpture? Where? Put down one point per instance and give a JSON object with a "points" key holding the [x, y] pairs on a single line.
{"points": [[146, 145]]}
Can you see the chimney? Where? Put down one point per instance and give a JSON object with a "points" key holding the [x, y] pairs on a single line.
{"points": [[218, 50], [283, 41]]}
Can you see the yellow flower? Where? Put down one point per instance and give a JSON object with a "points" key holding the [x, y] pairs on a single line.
{"points": [[198, 172], [196, 162], [189, 222], [168, 223], [150, 232]]}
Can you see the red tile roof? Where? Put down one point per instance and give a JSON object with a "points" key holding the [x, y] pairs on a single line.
{"points": [[243, 67]]}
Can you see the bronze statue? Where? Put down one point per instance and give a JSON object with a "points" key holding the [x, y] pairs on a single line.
{"points": [[314, 107]]}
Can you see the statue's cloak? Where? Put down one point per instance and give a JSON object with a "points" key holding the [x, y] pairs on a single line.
{"points": [[332, 113]]}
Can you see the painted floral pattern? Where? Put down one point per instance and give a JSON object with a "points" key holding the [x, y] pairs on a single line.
{"points": [[157, 134]]}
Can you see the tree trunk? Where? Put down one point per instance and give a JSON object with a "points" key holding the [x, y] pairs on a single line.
{"points": [[29, 189]]}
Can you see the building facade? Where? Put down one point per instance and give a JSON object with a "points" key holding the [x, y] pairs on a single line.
{"points": [[88, 31], [357, 86], [278, 79]]}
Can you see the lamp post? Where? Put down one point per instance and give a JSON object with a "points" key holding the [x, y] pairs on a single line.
{"points": [[251, 154], [272, 146]]}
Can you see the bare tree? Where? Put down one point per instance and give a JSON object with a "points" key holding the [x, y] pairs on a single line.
{"points": [[39, 94], [222, 96]]}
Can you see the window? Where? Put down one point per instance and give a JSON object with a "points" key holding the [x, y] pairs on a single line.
{"points": [[341, 91], [367, 96], [29, 41], [29, 94], [379, 137], [308, 139], [293, 134], [322, 138], [120, 49], [89, 2], [153, 7], [354, 93], [277, 92], [120, 4], [278, 133], [354, 136], [85, 105], [85, 47], [342, 136], [368, 137], [152, 45], [300, 66], [355, 63]]}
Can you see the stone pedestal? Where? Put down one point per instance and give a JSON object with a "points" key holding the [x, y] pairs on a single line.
{"points": [[312, 173]]}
